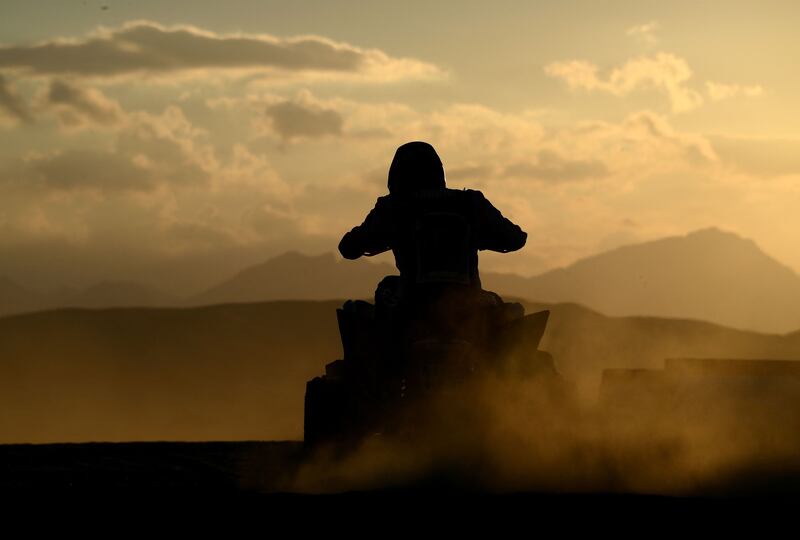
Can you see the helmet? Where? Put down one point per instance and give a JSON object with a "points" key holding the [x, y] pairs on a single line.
{"points": [[416, 166]]}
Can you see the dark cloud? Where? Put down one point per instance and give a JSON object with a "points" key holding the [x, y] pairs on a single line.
{"points": [[11, 104], [149, 47], [91, 169], [291, 119], [149, 151], [88, 104], [553, 167]]}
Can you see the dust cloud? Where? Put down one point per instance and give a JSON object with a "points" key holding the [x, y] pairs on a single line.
{"points": [[510, 436]]}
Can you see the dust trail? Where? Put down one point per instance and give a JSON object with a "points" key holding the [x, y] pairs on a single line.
{"points": [[508, 436]]}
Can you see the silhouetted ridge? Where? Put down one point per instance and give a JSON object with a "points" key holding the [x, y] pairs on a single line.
{"points": [[119, 294], [295, 276], [708, 274], [15, 298], [238, 372]]}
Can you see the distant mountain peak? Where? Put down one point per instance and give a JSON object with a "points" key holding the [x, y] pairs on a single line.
{"points": [[293, 275], [707, 243], [711, 232], [293, 255], [709, 274], [715, 234]]}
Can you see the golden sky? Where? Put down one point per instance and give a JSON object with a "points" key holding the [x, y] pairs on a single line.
{"points": [[175, 142]]}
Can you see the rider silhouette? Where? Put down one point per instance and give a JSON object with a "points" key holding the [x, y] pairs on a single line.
{"points": [[434, 232]]}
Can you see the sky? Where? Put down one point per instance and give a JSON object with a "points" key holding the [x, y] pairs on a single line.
{"points": [[174, 143]]}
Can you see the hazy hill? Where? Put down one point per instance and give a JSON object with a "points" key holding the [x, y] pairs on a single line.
{"points": [[116, 294], [17, 299], [706, 275], [294, 276], [238, 371]]}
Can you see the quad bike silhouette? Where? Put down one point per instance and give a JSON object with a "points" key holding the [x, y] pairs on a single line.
{"points": [[397, 356]]}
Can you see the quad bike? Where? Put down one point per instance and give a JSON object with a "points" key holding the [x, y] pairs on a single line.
{"points": [[396, 356]]}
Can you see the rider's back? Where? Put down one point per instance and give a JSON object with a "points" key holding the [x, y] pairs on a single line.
{"points": [[434, 232]]}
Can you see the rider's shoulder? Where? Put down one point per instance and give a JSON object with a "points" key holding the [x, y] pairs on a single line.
{"points": [[384, 201], [471, 194], [464, 192]]}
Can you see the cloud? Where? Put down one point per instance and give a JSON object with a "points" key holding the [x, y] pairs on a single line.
{"points": [[644, 141], [150, 48], [89, 169], [720, 91], [644, 32], [154, 187], [168, 146], [291, 119], [762, 157], [144, 152], [81, 106], [11, 105], [152, 191], [663, 71], [550, 166]]}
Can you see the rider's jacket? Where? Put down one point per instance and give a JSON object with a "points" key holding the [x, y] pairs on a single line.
{"points": [[435, 235]]}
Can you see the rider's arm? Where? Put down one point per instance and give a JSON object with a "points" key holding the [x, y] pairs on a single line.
{"points": [[371, 237], [495, 232]]}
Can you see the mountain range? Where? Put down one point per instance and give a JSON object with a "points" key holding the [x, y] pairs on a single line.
{"points": [[15, 298], [709, 275]]}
